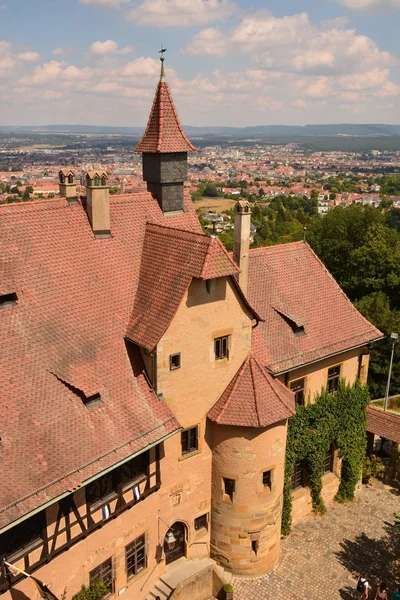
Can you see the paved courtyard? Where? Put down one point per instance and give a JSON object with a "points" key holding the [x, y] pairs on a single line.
{"points": [[322, 555]]}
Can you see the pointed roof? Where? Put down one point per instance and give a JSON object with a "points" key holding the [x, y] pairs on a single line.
{"points": [[164, 132], [253, 399], [171, 258]]}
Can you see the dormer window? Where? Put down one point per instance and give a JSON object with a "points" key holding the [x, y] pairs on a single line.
{"points": [[92, 401], [7, 300]]}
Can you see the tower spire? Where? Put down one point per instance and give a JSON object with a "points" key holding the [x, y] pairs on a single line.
{"points": [[161, 52]]}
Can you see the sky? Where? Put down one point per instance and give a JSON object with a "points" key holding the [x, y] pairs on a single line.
{"points": [[228, 62]]}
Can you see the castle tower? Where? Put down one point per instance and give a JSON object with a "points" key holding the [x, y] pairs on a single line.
{"points": [[249, 424], [165, 146]]}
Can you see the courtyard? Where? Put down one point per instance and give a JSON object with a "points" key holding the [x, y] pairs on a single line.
{"points": [[322, 556]]}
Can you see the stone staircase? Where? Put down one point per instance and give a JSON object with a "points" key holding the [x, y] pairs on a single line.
{"points": [[168, 582]]}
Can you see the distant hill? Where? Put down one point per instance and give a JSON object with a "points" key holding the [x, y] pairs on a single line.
{"points": [[349, 129]]}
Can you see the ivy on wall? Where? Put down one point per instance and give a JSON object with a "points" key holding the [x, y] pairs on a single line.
{"points": [[338, 419]]}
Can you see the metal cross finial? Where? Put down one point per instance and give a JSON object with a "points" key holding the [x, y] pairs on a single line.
{"points": [[161, 53]]}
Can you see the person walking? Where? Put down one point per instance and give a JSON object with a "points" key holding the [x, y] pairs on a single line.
{"points": [[381, 593], [362, 587], [396, 594]]}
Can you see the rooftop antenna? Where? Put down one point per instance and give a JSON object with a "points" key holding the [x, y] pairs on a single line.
{"points": [[304, 233], [161, 53]]}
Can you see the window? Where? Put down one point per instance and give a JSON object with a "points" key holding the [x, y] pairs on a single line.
{"points": [[189, 440], [333, 379], [107, 485], [104, 573], [297, 387], [201, 522], [229, 487], [103, 181], [96, 181], [255, 544], [297, 479], [175, 361], [328, 462], [8, 300], [62, 178], [267, 479], [27, 535], [221, 347], [136, 559], [70, 178], [92, 401]]}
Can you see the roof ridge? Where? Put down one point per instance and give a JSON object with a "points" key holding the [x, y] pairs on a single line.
{"points": [[160, 92], [177, 229], [277, 246]]}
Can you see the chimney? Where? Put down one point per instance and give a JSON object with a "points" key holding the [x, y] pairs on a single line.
{"points": [[242, 241], [67, 185], [98, 203]]}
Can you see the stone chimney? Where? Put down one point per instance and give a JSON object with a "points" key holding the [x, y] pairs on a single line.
{"points": [[67, 185], [242, 241], [98, 203]]}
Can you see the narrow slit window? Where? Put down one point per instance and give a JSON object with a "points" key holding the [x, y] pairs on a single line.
{"points": [[328, 462], [298, 479], [267, 479], [229, 487], [8, 300]]}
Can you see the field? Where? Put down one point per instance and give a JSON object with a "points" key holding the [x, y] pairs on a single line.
{"points": [[213, 205]]}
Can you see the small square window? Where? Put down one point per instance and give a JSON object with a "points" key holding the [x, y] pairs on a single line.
{"points": [[190, 440], [201, 522], [333, 379], [221, 347], [104, 573], [267, 479], [175, 361], [229, 487]]}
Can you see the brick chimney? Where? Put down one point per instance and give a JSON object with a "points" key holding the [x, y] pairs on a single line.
{"points": [[98, 203], [242, 241], [67, 185]]}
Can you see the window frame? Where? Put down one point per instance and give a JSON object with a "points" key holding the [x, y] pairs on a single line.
{"points": [[299, 391], [267, 484], [221, 347], [203, 521], [171, 357], [189, 449], [298, 476], [139, 543], [110, 569], [333, 380], [330, 456]]}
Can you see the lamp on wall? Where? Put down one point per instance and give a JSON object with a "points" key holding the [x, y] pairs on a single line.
{"points": [[170, 540]]}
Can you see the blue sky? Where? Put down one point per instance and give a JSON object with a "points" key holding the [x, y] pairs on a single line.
{"points": [[229, 62]]}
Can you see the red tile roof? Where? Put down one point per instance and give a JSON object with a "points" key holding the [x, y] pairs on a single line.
{"points": [[164, 132], [385, 424], [65, 337], [289, 286], [253, 399], [171, 259]]}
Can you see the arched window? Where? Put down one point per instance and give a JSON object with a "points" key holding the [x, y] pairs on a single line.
{"points": [[62, 178], [96, 181], [70, 178], [246, 209], [103, 180]]}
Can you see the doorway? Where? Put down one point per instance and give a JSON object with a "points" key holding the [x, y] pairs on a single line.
{"points": [[177, 549]]}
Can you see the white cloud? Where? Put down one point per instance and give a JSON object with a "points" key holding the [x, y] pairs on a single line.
{"points": [[106, 3], [45, 73], [371, 5], [142, 67], [64, 51], [29, 56], [107, 48], [181, 13]]}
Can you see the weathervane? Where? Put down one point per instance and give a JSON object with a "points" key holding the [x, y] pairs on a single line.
{"points": [[161, 52]]}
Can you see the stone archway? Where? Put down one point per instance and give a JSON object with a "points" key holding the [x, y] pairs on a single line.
{"points": [[178, 548]]}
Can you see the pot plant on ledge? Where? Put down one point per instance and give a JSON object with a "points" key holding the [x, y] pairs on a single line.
{"points": [[228, 589]]}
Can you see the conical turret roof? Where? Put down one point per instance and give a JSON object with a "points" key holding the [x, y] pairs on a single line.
{"points": [[164, 132]]}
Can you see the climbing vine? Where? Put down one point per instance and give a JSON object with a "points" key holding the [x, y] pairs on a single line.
{"points": [[338, 419]]}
